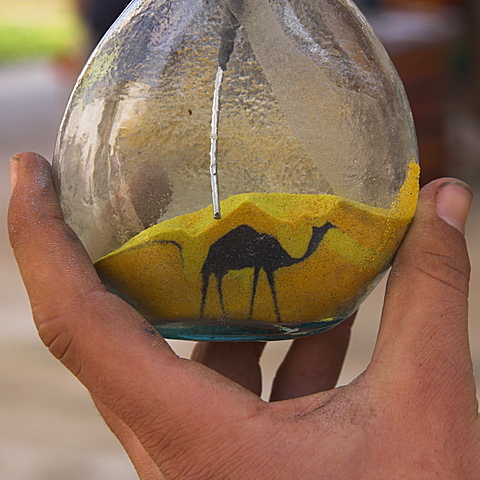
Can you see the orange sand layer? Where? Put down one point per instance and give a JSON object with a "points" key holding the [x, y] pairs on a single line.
{"points": [[174, 271]]}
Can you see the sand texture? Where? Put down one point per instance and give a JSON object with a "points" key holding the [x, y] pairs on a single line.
{"points": [[277, 258]]}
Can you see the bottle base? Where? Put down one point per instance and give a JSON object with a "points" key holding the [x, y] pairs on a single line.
{"points": [[245, 332]]}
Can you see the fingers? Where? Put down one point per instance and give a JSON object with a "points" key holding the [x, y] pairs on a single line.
{"points": [[236, 361], [312, 364], [120, 359], [423, 341]]}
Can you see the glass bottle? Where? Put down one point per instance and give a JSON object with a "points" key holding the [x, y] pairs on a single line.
{"points": [[239, 169]]}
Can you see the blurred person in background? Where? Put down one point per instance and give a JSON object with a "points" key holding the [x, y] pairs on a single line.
{"points": [[99, 16]]}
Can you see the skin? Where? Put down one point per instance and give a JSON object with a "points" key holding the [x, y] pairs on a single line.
{"points": [[412, 414]]}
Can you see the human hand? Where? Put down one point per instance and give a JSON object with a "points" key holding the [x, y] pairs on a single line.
{"points": [[412, 413]]}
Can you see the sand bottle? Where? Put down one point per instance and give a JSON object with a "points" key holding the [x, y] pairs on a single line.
{"points": [[239, 169]]}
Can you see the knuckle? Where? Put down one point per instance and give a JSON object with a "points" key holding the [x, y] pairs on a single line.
{"points": [[59, 335], [442, 260], [451, 270], [56, 228]]}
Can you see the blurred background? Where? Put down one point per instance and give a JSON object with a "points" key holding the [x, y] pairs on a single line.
{"points": [[49, 429]]}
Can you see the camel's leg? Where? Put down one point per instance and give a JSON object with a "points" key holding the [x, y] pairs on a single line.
{"points": [[256, 272], [205, 280], [220, 294], [271, 282]]}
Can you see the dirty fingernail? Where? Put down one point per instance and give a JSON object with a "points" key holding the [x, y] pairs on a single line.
{"points": [[453, 202], [13, 171]]}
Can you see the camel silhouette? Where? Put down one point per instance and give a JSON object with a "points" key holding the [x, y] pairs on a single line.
{"points": [[244, 247]]}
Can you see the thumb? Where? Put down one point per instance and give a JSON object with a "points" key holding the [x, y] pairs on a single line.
{"points": [[423, 346]]}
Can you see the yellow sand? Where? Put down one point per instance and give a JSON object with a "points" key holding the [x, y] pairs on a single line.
{"points": [[160, 270]]}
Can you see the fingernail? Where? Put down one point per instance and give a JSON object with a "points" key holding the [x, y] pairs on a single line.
{"points": [[13, 172], [453, 202]]}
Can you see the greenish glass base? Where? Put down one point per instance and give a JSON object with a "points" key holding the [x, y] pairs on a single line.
{"points": [[243, 332]]}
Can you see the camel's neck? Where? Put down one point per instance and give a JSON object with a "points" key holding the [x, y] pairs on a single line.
{"points": [[317, 236]]}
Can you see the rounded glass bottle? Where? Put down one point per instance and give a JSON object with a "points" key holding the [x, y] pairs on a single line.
{"points": [[239, 169]]}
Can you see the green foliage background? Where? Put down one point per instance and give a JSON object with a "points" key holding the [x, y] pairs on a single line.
{"points": [[32, 29]]}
